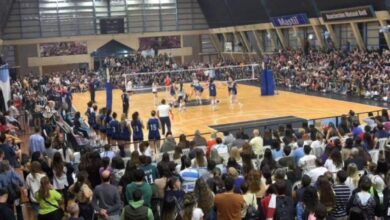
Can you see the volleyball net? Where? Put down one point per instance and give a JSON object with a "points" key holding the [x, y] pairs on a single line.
{"points": [[144, 81]]}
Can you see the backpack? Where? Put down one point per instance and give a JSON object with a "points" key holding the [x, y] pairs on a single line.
{"points": [[284, 208], [252, 213]]}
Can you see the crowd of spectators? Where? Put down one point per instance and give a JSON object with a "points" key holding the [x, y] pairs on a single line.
{"points": [[63, 48], [352, 73], [337, 171]]}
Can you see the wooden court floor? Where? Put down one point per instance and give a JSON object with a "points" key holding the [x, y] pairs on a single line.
{"points": [[252, 107]]}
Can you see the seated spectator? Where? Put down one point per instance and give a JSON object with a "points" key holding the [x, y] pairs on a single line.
{"points": [[277, 151], [199, 140], [107, 152], [169, 144], [228, 139], [205, 198]]}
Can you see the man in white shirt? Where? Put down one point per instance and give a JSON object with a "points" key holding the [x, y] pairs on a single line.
{"points": [[222, 149], [307, 162], [316, 172], [163, 112], [257, 143], [318, 146]]}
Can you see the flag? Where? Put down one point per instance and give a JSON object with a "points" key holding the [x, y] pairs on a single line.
{"points": [[5, 85]]}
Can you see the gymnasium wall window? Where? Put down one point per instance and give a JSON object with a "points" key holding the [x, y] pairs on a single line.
{"points": [[371, 35], [56, 18]]}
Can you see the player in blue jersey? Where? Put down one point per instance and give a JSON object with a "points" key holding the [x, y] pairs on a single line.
{"points": [[154, 133], [198, 89], [137, 126], [213, 93], [232, 85], [113, 128], [124, 130]]}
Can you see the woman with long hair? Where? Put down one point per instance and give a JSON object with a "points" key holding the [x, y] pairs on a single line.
{"points": [[60, 180], [49, 201], [326, 194], [154, 137], [124, 131], [235, 153], [164, 161], [353, 176], [310, 202], [83, 195], [190, 209], [335, 162], [127, 178], [216, 157], [173, 199], [268, 160], [205, 197], [137, 127], [33, 182], [267, 137], [134, 157], [183, 142], [200, 160]]}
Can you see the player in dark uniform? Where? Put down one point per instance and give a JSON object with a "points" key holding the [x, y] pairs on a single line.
{"points": [[213, 93], [137, 126], [125, 103], [181, 96], [154, 133]]}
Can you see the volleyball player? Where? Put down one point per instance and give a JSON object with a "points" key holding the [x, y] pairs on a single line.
{"points": [[172, 93], [154, 133], [155, 92], [168, 83], [232, 89], [198, 89], [181, 96], [137, 126], [125, 102], [213, 93]]}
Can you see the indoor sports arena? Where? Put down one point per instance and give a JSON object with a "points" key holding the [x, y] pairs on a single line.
{"points": [[194, 110]]}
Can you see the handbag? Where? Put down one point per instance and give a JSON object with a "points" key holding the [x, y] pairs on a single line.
{"points": [[60, 212]]}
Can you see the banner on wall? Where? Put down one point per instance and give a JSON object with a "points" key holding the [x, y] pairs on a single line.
{"points": [[5, 87], [65, 48], [348, 13], [290, 20]]}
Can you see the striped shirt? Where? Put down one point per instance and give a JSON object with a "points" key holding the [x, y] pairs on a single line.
{"points": [[342, 193], [189, 176]]}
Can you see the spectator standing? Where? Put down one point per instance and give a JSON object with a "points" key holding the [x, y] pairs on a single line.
{"points": [[5, 211], [229, 205], [33, 183], [49, 201], [139, 183], [106, 199], [257, 143], [9, 152], [307, 162], [37, 142], [342, 194], [136, 208]]}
